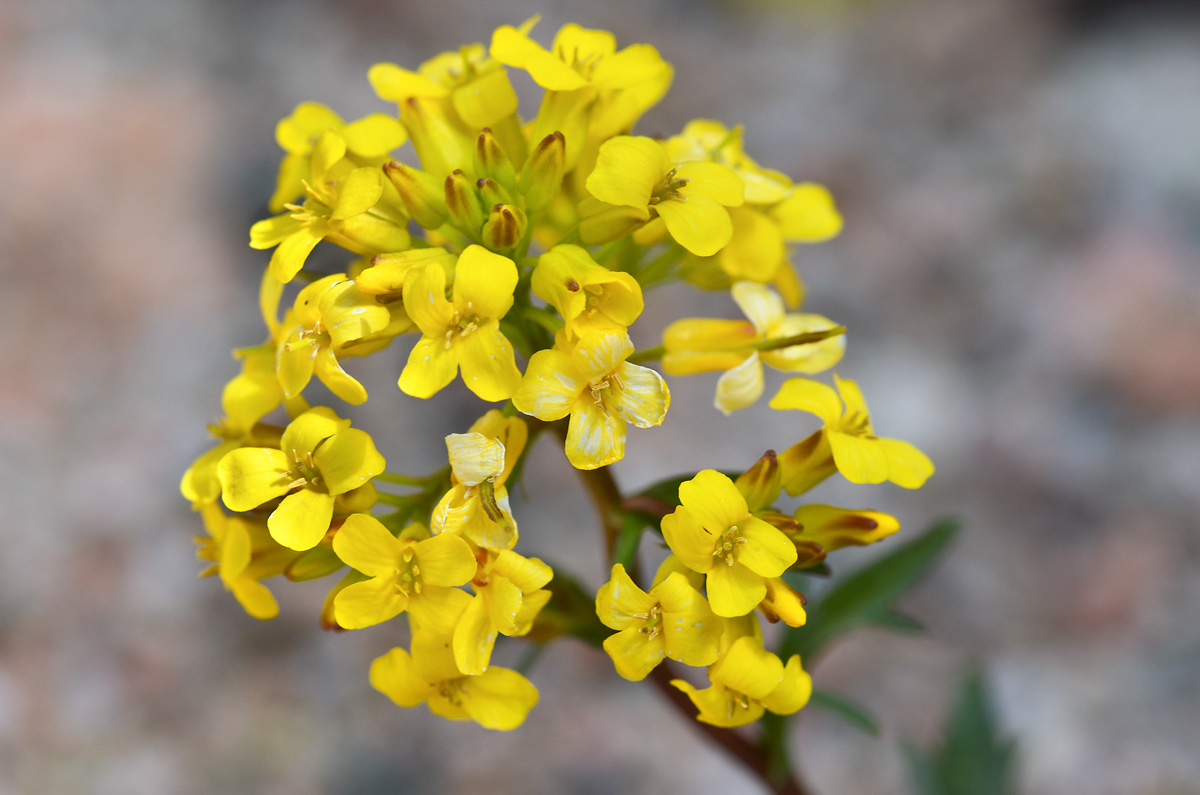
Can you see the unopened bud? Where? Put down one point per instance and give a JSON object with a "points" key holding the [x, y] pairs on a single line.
{"points": [[542, 176], [421, 193], [462, 202], [760, 484], [492, 192], [493, 162], [783, 602], [834, 528], [504, 228]]}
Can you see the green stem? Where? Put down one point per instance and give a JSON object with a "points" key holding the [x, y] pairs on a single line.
{"points": [[647, 355], [405, 480], [806, 338]]}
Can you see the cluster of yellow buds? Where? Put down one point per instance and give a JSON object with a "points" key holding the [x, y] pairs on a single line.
{"points": [[517, 255]]}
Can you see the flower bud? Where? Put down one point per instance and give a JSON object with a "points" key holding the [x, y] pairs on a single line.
{"points": [[542, 176], [421, 192], [783, 602], [504, 228], [807, 463], [492, 192], [760, 484], [492, 161], [833, 528], [462, 201]]}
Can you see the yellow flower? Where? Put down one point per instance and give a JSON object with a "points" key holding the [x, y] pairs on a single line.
{"points": [[714, 533], [243, 553], [447, 101], [329, 318], [747, 680], [635, 180], [321, 458], [672, 620], [498, 698], [695, 345], [833, 528], [411, 571], [476, 506], [464, 331], [346, 205], [368, 142], [589, 296], [509, 593], [600, 391], [847, 441], [593, 91]]}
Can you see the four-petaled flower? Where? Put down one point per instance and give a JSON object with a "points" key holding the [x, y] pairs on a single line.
{"points": [[462, 332], [714, 533], [747, 680], [600, 391], [320, 457], [476, 506]]}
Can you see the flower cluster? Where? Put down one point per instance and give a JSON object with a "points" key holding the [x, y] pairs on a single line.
{"points": [[515, 256]]}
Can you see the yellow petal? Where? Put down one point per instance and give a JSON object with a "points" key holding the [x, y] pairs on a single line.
{"points": [[310, 429], [734, 590], [691, 632], [767, 551], [297, 132], [688, 540], [793, 692], [748, 668], [485, 100], [619, 601], [699, 224], [741, 386], [363, 543], [347, 460], [808, 214], [814, 397], [627, 170], [641, 396], [251, 476], [500, 699], [255, 598], [374, 136], [292, 252], [761, 305], [474, 638], [302, 519], [811, 357], [550, 386], [431, 366], [358, 193], [834, 528], [445, 560], [396, 677], [860, 459], [489, 367], [335, 377], [714, 500], [425, 299], [485, 281], [474, 457], [634, 653], [365, 604], [711, 181], [907, 466], [528, 574], [393, 83], [595, 438]]}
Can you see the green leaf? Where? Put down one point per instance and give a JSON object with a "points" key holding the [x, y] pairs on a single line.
{"points": [[845, 709], [633, 524], [973, 758], [867, 596]]}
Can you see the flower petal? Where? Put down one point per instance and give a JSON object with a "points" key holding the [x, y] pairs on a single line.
{"points": [[642, 397], [302, 519], [739, 387], [627, 170], [445, 560], [699, 224], [814, 397], [425, 299], [808, 214], [550, 386], [714, 500], [431, 366], [767, 551], [396, 677], [748, 668], [489, 366], [860, 459], [365, 604], [363, 543], [499, 699], [347, 460], [474, 457], [310, 429], [734, 590], [620, 602], [634, 653], [595, 438], [251, 476], [761, 305], [907, 466], [474, 638], [483, 281], [793, 692], [691, 543], [290, 255]]}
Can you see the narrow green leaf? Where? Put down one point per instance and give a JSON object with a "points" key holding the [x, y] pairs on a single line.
{"points": [[845, 709], [633, 524], [867, 596]]}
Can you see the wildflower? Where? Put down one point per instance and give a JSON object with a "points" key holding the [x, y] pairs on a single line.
{"points": [[509, 593], [672, 620], [635, 181], [406, 571], [476, 506], [368, 142], [847, 441], [695, 345], [320, 458], [589, 297], [330, 316], [343, 206], [242, 553], [464, 331], [592, 382], [498, 698], [714, 533], [747, 680]]}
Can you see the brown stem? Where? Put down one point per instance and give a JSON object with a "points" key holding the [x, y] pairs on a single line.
{"points": [[606, 498], [746, 752]]}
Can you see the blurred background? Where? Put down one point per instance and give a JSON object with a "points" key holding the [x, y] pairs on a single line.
{"points": [[1020, 273]]}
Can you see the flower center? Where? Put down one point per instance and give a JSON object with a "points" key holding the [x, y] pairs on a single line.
{"points": [[727, 545], [304, 470], [408, 574], [653, 619], [604, 391], [463, 324], [669, 188]]}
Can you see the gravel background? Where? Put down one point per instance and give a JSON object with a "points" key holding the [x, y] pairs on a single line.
{"points": [[1020, 272]]}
